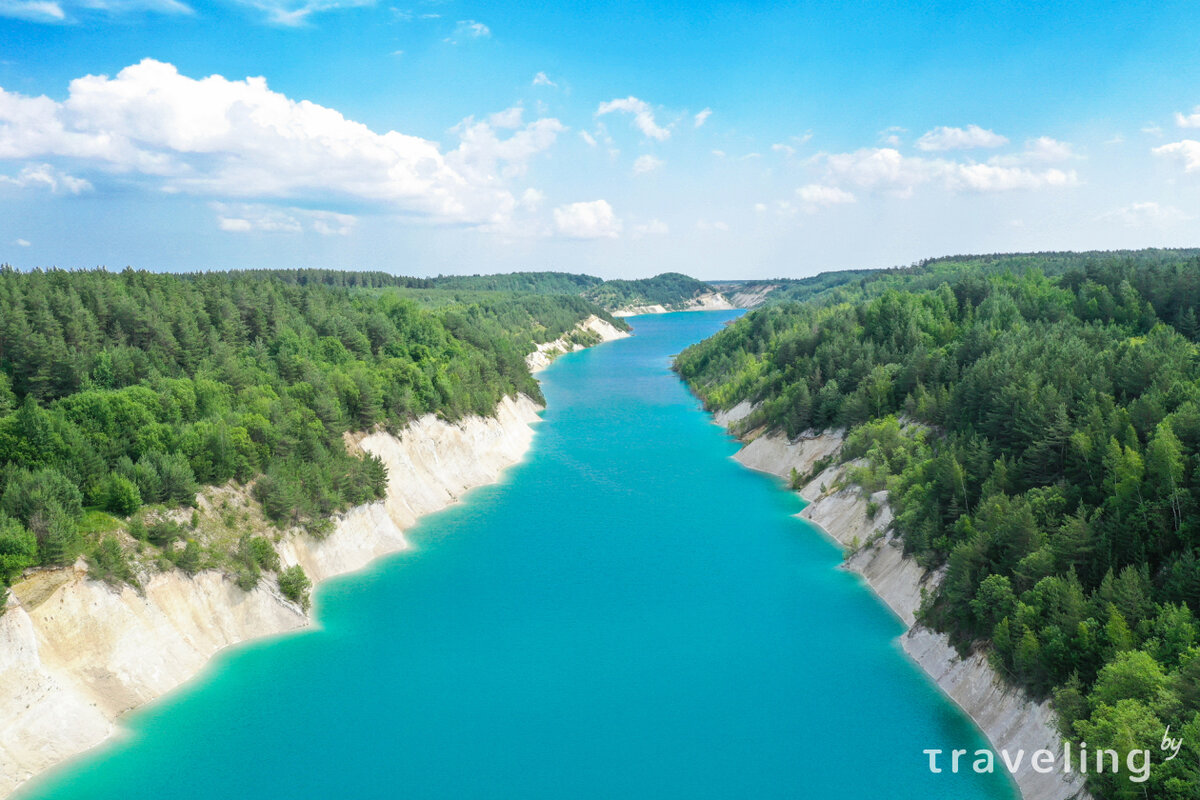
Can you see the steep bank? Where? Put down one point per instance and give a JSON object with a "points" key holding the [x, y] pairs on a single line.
{"points": [[712, 301], [76, 653], [592, 326], [1008, 719]]}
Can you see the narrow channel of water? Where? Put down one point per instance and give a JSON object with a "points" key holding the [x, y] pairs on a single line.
{"points": [[629, 614]]}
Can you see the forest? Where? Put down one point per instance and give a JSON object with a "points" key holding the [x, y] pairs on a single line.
{"points": [[1036, 422], [124, 394], [669, 289]]}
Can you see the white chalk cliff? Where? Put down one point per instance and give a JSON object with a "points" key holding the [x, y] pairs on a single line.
{"points": [[710, 301], [1007, 718], [546, 352], [76, 653]]}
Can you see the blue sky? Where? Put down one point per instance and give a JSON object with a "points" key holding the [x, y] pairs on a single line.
{"points": [[621, 139]]}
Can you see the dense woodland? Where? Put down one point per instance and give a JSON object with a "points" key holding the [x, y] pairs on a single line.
{"points": [[1036, 420], [669, 289], [132, 390]]}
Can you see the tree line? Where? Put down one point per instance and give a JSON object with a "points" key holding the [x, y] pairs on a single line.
{"points": [[120, 391], [1039, 436]]}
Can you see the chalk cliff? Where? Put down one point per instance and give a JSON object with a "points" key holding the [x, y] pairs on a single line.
{"points": [[859, 523], [76, 653]]}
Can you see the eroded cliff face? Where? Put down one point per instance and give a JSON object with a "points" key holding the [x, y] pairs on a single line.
{"points": [[859, 523], [546, 352], [710, 301], [76, 653]]}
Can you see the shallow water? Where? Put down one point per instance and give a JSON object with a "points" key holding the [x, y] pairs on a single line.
{"points": [[629, 614]]}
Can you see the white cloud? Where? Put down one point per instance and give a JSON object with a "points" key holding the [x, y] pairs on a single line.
{"points": [[1048, 150], [992, 178], [1146, 215], [944, 138], [886, 169], [469, 29], [816, 196], [643, 116], [786, 149], [59, 11], [705, 225], [587, 137], [256, 217], [294, 13], [532, 199], [22, 242], [702, 117], [1189, 120], [719, 153], [228, 139], [1187, 151], [587, 220], [508, 119], [485, 158], [646, 163], [654, 227], [891, 135], [47, 177], [1152, 129], [541, 79], [33, 10]]}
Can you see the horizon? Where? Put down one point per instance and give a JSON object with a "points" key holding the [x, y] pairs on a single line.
{"points": [[722, 140]]}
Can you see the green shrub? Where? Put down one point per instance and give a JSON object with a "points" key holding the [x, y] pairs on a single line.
{"points": [[296, 586]]}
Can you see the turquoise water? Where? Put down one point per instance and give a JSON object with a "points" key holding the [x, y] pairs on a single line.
{"points": [[629, 614]]}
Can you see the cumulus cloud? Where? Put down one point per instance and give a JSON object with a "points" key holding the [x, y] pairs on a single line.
{"points": [[1188, 120], [643, 116], [702, 117], [22, 242], [44, 176], [1146, 215], [255, 217], [654, 227], [541, 79], [886, 169], [646, 163], [587, 220], [485, 158], [1046, 150], [228, 139], [1186, 151], [816, 196], [59, 11], [944, 138]]}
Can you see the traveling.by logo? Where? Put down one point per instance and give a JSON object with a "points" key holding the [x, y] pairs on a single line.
{"points": [[1137, 762]]}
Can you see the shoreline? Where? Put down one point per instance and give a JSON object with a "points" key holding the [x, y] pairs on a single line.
{"points": [[77, 654], [840, 511]]}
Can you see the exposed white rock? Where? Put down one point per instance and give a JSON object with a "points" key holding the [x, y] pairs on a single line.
{"points": [[76, 653], [1007, 718], [710, 301], [546, 352], [732, 415], [753, 297], [775, 453]]}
